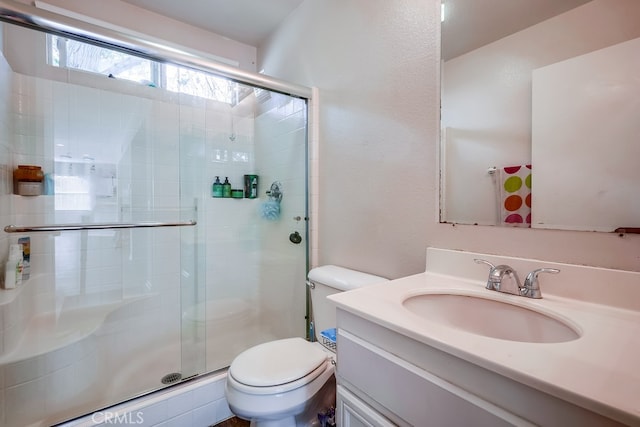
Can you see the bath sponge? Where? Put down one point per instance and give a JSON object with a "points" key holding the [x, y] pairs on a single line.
{"points": [[270, 210]]}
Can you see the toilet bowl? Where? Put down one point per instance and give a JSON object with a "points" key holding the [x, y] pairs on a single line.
{"points": [[281, 383], [288, 382]]}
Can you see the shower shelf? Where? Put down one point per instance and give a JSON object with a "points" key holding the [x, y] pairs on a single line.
{"points": [[96, 226]]}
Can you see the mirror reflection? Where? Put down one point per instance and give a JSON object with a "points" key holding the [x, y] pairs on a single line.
{"points": [[540, 108]]}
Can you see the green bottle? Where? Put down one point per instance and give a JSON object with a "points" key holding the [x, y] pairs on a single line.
{"points": [[216, 188], [226, 188]]}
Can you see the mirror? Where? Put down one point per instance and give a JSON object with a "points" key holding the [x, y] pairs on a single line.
{"points": [[540, 113]]}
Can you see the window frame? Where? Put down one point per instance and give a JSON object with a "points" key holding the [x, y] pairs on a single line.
{"points": [[158, 75]]}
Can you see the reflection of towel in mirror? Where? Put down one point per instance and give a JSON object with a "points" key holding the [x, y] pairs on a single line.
{"points": [[515, 195]]}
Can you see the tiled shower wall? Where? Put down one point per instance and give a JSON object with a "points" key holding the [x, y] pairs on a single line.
{"points": [[162, 152]]}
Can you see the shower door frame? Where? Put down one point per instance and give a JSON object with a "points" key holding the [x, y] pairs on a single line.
{"points": [[42, 20]]}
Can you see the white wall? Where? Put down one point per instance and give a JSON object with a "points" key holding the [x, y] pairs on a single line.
{"points": [[486, 98], [368, 59], [376, 64]]}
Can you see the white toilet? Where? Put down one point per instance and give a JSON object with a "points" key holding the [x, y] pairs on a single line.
{"points": [[287, 382]]}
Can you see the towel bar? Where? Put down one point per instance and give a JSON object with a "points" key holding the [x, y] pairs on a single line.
{"points": [[97, 226]]}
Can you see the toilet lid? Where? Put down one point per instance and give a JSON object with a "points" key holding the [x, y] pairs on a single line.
{"points": [[277, 362]]}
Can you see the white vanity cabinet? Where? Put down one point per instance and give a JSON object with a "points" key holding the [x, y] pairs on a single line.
{"points": [[409, 395], [386, 378], [354, 412]]}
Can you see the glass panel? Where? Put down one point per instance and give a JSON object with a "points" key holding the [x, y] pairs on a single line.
{"points": [[86, 57], [197, 83], [107, 315]]}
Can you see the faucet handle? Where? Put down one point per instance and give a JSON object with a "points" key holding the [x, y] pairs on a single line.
{"points": [[491, 266], [531, 286], [483, 261]]}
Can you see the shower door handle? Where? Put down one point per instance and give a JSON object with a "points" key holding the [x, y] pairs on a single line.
{"points": [[295, 237]]}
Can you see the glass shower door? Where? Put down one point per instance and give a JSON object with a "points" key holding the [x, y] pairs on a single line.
{"points": [[139, 308]]}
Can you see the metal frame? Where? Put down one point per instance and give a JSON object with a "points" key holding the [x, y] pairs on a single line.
{"points": [[42, 20], [96, 226]]}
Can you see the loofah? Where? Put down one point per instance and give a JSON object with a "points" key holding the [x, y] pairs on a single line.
{"points": [[270, 210]]}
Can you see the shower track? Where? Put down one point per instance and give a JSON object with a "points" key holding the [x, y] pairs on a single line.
{"points": [[96, 226]]}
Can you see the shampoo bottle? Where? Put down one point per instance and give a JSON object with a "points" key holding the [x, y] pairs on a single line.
{"points": [[26, 257], [216, 188], [254, 187], [226, 188], [251, 186], [13, 268]]}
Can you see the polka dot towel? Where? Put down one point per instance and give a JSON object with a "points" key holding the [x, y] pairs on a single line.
{"points": [[515, 195]]}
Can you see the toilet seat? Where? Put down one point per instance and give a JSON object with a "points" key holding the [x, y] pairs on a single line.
{"points": [[278, 366]]}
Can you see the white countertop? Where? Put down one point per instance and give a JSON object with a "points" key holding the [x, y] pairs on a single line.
{"points": [[599, 371]]}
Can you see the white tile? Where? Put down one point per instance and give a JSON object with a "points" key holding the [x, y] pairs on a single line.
{"points": [[25, 403], [63, 357], [204, 416], [183, 420], [223, 411], [64, 386], [153, 414], [208, 393], [180, 404], [24, 371], [12, 336]]}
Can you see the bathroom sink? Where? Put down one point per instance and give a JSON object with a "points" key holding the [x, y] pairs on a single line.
{"points": [[490, 318]]}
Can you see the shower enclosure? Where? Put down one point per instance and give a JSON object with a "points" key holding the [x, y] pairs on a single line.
{"points": [[138, 277]]}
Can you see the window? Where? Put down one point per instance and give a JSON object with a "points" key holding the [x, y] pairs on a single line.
{"points": [[66, 53]]}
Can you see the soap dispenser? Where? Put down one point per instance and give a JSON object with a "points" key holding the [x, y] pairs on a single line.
{"points": [[226, 188], [216, 188]]}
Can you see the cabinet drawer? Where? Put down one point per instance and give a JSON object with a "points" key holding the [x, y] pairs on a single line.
{"points": [[411, 393]]}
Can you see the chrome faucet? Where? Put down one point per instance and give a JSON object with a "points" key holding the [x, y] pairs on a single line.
{"points": [[497, 274], [531, 287]]}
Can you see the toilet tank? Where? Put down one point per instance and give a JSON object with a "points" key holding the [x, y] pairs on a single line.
{"points": [[328, 280]]}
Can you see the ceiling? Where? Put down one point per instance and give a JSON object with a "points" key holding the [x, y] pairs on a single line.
{"points": [[468, 24], [246, 21]]}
